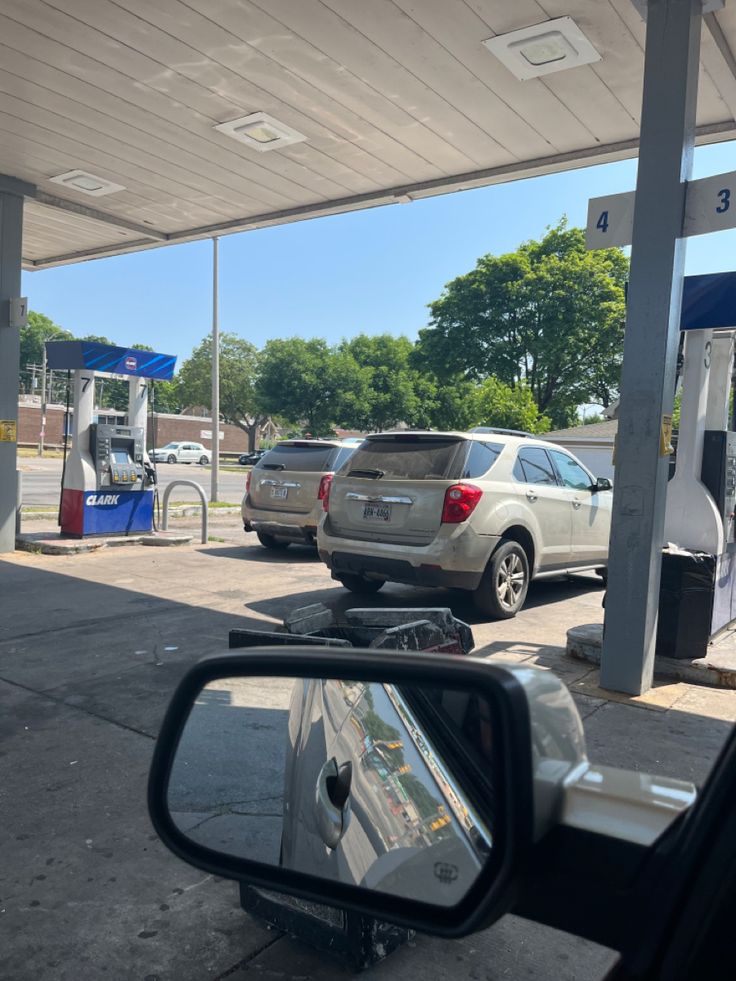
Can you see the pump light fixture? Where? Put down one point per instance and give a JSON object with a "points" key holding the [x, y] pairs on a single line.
{"points": [[81, 180], [549, 47], [260, 132]]}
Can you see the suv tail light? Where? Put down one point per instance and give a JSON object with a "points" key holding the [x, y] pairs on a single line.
{"points": [[247, 481], [460, 502], [323, 494]]}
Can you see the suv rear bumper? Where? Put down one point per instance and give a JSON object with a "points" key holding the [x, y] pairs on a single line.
{"points": [[294, 533], [398, 570]]}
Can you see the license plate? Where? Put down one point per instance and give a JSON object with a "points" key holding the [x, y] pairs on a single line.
{"points": [[280, 493], [377, 512]]}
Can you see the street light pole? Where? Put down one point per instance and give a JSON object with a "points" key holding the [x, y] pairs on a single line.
{"points": [[42, 432], [215, 376]]}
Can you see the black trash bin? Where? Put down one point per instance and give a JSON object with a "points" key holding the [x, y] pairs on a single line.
{"points": [[685, 603]]}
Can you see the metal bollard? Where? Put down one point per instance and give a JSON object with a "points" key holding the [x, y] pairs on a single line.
{"points": [[202, 497]]}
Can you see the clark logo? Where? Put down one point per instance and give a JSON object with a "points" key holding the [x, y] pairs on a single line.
{"points": [[95, 500], [131, 363]]}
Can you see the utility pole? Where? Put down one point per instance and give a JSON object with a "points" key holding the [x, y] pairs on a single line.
{"points": [[215, 377], [42, 433]]}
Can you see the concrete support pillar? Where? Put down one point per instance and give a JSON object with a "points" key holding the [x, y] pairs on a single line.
{"points": [[671, 65], [11, 239], [137, 402]]}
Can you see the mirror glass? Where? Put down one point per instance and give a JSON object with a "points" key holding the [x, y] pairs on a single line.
{"points": [[385, 787]]}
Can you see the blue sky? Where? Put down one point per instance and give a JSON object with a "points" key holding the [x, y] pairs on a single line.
{"points": [[369, 271]]}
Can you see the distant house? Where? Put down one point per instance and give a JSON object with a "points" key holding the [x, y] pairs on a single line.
{"points": [[592, 445]]}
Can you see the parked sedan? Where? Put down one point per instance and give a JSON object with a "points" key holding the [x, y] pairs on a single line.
{"points": [[182, 452]]}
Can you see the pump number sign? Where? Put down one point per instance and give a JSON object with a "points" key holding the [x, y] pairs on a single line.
{"points": [[710, 206], [8, 431]]}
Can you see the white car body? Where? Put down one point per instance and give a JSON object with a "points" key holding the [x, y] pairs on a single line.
{"points": [[182, 451]]}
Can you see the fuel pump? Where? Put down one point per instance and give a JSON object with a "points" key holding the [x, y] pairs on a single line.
{"points": [[108, 481]]}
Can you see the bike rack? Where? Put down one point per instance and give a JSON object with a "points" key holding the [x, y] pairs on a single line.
{"points": [[202, 497]]}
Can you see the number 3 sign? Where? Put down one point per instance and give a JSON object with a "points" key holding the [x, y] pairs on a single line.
{"points": [[708, 208]]}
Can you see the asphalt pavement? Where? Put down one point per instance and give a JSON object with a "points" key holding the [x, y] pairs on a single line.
{"points": [[91, 647], [42, 480]]}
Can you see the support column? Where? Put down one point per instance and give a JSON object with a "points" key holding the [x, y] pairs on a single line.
{"points": [[214, 489], [650, 347], [11, 238]]}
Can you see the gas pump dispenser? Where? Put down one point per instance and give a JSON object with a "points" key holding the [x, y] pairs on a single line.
{"points": [[108, 482]]}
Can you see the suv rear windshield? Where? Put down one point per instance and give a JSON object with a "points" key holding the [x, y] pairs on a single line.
{"points": [[422, 458], [316, 458]]}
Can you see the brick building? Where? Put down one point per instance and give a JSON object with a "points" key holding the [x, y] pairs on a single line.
{"points": [[167, 428]]}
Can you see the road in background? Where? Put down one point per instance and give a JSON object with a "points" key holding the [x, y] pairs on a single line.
{"points": [[42, 478]]}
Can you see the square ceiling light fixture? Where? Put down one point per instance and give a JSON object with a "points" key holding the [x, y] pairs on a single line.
{"points": [[81, 180], [552, 46], [261, 132]]}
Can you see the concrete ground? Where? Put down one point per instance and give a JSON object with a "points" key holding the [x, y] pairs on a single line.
{"points": [[90, 649]]}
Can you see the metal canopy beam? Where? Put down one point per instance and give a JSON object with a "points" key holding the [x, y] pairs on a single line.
{"points": [[11, 237], [651, 341]]}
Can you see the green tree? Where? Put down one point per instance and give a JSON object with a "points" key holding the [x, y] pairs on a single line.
{"points": [[37, 331], [391, 392], [306, 381], [550, 314], [238, 371], [498, 404]]}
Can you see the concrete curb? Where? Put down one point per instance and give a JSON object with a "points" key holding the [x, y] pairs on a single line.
{"points": [[44, 543], [717, 670], [179, 512]]}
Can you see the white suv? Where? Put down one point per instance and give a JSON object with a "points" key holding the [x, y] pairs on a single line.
{"points": [[485, 511]]}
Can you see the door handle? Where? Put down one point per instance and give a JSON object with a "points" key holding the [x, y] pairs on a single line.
{"points": [[577, 504], [332, 803], [531, 496]]}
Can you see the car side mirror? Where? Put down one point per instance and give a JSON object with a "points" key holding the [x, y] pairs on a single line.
{"points": [[398, 786], [602, 484]]}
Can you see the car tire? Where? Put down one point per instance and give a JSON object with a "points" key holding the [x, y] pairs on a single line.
{"points": [[357, 584], [503, 588], [269, 541], [171, 458], [203, 461], [603, 573]]}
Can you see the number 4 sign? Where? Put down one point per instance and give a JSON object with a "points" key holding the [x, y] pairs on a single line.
{"points": [[710, 206]]}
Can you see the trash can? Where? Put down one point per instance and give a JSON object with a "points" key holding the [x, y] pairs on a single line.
{"points": [[686, 595]]}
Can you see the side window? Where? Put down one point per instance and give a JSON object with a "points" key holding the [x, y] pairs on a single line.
{"points": [[535, 466], [481, 457], [571, 472]]}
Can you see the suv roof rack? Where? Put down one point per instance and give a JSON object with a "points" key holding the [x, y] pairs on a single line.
{"points": [[502, 432]]}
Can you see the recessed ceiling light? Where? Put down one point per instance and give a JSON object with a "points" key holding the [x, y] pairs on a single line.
{"points": [[81, 180], [260, 132], [549, 47]]}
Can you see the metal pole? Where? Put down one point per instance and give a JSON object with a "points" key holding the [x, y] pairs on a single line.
{"points": [[42, 432], [651, 342], [11, 238], [215, 377]]}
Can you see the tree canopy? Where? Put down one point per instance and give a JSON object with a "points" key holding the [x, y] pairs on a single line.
{"points": [[550, 314]]}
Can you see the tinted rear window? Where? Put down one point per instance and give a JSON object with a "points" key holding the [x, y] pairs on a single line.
{"points": [[304, 458], [410, 459]]}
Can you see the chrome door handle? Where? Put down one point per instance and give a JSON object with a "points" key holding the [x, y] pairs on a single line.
{"points": [[531, 496], [332, 801], [576, 504]]}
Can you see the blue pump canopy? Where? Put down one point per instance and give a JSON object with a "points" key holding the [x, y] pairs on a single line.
{"points": [[72, 355]]}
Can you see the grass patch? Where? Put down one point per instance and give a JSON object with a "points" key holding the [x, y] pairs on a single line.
{"points": [[215, 538], [211, 505], [31, 451]]}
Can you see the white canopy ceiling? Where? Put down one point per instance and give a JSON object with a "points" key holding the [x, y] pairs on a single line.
{"points": [[397, 99]]}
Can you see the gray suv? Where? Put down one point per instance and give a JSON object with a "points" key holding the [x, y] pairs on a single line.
{"points": [[482, 511], [284, 490]]}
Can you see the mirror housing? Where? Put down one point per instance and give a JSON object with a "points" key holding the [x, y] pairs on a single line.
{"points": [[510, 799], [602, 484]]}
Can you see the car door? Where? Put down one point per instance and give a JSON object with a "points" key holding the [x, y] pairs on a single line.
{"points": [[591, 510], [187, 453], [549, 505]]}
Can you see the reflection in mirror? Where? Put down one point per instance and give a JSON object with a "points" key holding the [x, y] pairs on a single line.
{"points": [[349, 781]]}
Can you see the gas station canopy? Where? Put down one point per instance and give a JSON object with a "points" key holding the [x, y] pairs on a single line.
{"points": [[132, 124]]}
